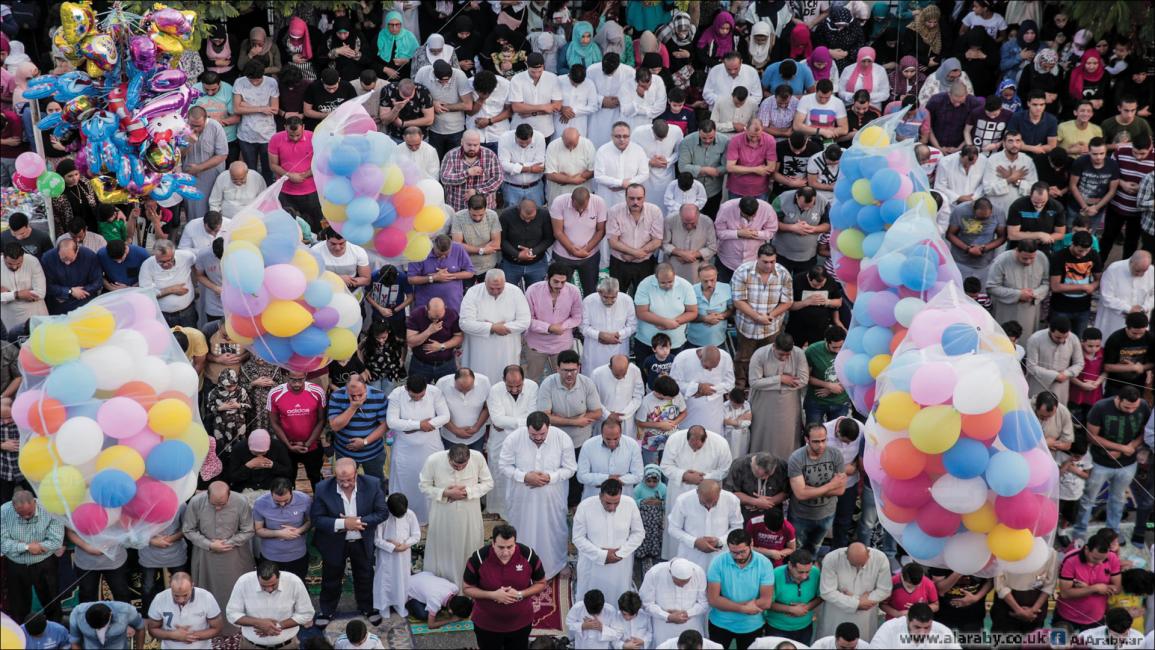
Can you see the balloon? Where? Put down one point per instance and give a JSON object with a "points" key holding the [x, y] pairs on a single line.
{"points": [[933, 383], [884, 184], [960, 338], [92, 325], [873, 136], [1007, 473], [79, 440], [1021, 431], [966, 459], [936, 521], [310, 342], [61, 490], [1010, 544], [112, 488], [1038, 556], [90, 518], [982, 426], [169, 417], [54, 343], [901, 460], [912, 493], [408, 201], [285, 318], [29, 164], [959, 495], [896, 410], [37, 458], [154, 502], [121, 417], [935, 429], [45, 415], [284, 282], [966, 553], [170, 460], [919, 545], [71, 383], [122, 458], [342, 344], [979, 389], [1018, 511], [982, 520]]}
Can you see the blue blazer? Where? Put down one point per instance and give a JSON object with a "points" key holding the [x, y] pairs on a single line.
{"points": [[328, 508]]}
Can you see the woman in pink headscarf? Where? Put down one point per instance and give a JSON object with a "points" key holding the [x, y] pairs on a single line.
{"points": [[717, 40], [864, 75], [822, 64], [297, 47], [906, 79], [800, 44]]}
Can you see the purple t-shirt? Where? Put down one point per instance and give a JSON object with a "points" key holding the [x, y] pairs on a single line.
{"points": [[418, 320], [451, 292], [275, 517]]}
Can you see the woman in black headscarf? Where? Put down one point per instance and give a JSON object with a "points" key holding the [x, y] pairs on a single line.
{"points": [[504, 52], [344, 49], [841, 34], [78, 200], [466, 43], [979, 55]]}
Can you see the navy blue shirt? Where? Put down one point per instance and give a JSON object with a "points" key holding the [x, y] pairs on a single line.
{"points": [[60, 278], [652, 368], [1034, 134], [125, 272]]}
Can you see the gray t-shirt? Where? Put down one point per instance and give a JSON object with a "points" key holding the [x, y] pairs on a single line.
{"points": [[478, 234], [569, 403], [100, 561], [256, 127], [449, 122], [175, 555], [816, 473], [975, 232], [793, 246], [208, 264]]}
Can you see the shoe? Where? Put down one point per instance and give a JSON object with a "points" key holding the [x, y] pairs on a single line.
{"points": [[321, 621], [374, 617]]}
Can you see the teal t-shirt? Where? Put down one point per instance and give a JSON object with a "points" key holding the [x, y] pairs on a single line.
{"points": [[739, 584], [789, 592]]}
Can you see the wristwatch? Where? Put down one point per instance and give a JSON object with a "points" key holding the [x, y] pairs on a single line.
{"points": [[430, 278], [520, 596]]}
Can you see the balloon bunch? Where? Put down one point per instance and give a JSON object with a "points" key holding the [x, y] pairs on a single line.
{"points": [[125, 113], [388, 207], [111, 436], [12, 636], [954, 451], [277, 296], [33, 175]]}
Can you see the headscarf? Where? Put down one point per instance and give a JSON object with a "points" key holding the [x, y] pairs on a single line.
{"points": [[932, 37], [947, 67], [1079, 75], [1024, 27], [586, 55], [405, 42], [259, 32], [821, 54], [800, 44], [611, 38], [680, 30], [899, 84], [847, 37], [299, 36], [468, 48], [1081, 42], [722, 45], [759, 54], [225, 51], [1014, 103], [867, 74], [434, 42], [648, 43], [1047, 55]]}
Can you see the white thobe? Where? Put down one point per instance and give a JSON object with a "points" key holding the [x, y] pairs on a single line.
{"points": [[412, 446], [597, 318], [228, 198], [523, 89], [639, 627], [539, 514], [515, 158], [1119, 290], [720, 85], [660, 177], [1001, 193], [709, 410], [560, 159], [506, 414], [485, 352], [690, 520], [391, 576], [596, 463], [464, 408], [616, 168], [955, 181], [873, 580], [622, 396], [713, 460], [640, 110], [425, 158], [583, 99], [495, 103], [602, 122], [660, 596], [831, 643], [892, 633], [594, 532], [602, 639], [455, 527]]}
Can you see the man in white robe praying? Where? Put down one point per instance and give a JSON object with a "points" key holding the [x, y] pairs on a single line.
{"points": [[701, 520], [454, 482], [493, 317], [609, 321], [620, 386], [674, 595], [618, 164], [538, 459], [609, 455], [608, 75], [705, 377], [607, 529], [1126, 286], [692, 455], [854, 581], [509, 402], [415, 414], [660, 142]]}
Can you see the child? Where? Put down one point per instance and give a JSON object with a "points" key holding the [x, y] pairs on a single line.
{"points": [[660, 362], [686, 190], [381, 354], [737, 416], [593, 608], [230, 404], [911, 585], [1087, 388], [113, 225], [389, 295], [650, 495], [1074, 468], [358, 637], [772, 535], [678, 114], [1082, 223], [1137, 586], [1014, 332], [158, 224], [632, 622], [393, 539], [662, 410], [429, 594], [974, 290]]}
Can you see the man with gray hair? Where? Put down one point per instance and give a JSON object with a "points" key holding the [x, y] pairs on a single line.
{"points": [[689, 240], [30, 538], [608, 322], [454, 481], [759, 481], [169, 272], [234, 189], [204, 158], [493, 317]]}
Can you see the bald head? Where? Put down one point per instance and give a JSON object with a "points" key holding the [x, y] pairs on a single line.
{"points": [[1139, 262], [435, 309], [570, 137], [619, 365], [857, 554], [219, 493], [345, 468], [708, 492], [238, 172], [709, 356], [180, 579]]}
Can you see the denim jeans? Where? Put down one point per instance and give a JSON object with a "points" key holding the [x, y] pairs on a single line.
{"points": [[431, 372], [868, 521], [1079, 321], [823, 413], [811, 532], [445, 142], [256, 156], [513, 195], [515, 273], [1118, 478]]}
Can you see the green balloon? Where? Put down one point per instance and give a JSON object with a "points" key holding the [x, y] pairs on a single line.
{"points": [[51, 184]]}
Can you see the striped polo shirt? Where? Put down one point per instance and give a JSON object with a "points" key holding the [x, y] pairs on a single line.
{"points": [[364, 421], [1131, 170]]}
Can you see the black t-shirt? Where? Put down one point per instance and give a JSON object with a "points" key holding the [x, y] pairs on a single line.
{"points": [[808, 325], [1093, 183], [1023, 214], [1074, 270], [959, 618], [324, 101], [420, 101], [855, 121], [35, 244], [1119, 348], [339, 373], [793, 165], [1118, 427]]}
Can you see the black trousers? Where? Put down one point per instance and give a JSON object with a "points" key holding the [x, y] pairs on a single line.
{"points": [[1113, 226], [587, 271], [445, 142], [21, 579], [631, 274], [333, 575], [723, 636], [516, 640], [298, 567], [117, 580], [712, 205], [308, 206], [312, 460], [8, 488]]}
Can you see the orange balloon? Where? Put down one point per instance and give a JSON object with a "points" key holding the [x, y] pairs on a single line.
{"points": [[408, 201], [899, 336], [851, 291], [175, 394], [139, 391], [30, 364], [898, 513], [46, 415], [901, 460], [983, 426], [247, 327], [934, 466]]}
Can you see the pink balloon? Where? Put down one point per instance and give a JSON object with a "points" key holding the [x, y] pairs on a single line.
{"points": [[872, 464], [390, 242], [905, 185], [89, 518], [29, 165], [1019, 511], [937, 521], [22, 407], [122, 417], [143, 307], [848, 270], [156, 334], [933, 383], [870, 280], [927, 327], [1048, 516], [154, 503], [142, 442], [1042, 467], [284, 281], [910, 493], [367, 180]]}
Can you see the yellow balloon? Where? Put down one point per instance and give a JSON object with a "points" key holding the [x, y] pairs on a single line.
{"points": [[935, 429], [429, 219], [982, 520], [37, 458], [850, 242], [896, 410], [234, 335], [873, 136], [10, 639], [335, 282], [54, 343], [285, 318], [394, 180], [418, 247], [1010, 401], [923, 201], [196, 438], [878, 364], [123, 458], [169, 417], [332, 211], [861, 192], [306, 264], [252, 231], [61, 490], [1010, 544], [342, 344], [92, 325], [237, 246]]}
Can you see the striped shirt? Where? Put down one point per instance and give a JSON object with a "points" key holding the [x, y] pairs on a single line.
{"points": [[16, 533], [370, 641], [1131, 170], [368, 417]]}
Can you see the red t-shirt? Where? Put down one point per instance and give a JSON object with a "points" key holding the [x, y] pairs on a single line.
{"points": [[484, 571], [298, 413], [765, 538], [901, 599]]}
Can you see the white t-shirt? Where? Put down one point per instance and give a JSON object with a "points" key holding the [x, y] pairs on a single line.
{"points": [[492, 105], [849, 450], [355, 256], [1071, 485], [995, 24], [257, 127], [821, 115], [433, 591], [1099, 637], [194, 615], [154, 276], [371, 642]]}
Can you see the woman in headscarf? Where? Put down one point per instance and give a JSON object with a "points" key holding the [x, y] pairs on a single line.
{"points": [[219, 53], [466, 44], [1044, 75], [78, 200], [345, 49], [1017, 53], [800, 43], [949, 72], [866, 75], [1089, 81], [906, 79], [1072, 53], [582, 48], [979, 55], [648, 43], [506, 52], [923, 38], [611, 38], [841, 34], [258, 46], [716, 41], [678, 36], [647, 15], [260, 377], [296, 45], [395, 47], [757, 52], [434, 49], [822, 65], [1059, 29]]}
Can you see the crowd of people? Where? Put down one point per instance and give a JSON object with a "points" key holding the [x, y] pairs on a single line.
{"points": [[622, 344]]}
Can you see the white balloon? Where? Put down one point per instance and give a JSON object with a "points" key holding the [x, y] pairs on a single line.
{"points": [[1040, 553], [186, 486], [183, 377], [959, 495], [130, 341], [967, 553], [434, 193], [348, 309], [979, 388], [154, 372], [78, 440], [111, 365]]}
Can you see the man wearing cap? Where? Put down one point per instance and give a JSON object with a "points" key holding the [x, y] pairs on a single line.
{"points": [[253, 468], [452, 97], [674, 595], [535, 95], [522, 155]]}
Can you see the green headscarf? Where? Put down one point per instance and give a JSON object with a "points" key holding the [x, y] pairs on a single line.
{"points": [[586, 55], [406, 43]]}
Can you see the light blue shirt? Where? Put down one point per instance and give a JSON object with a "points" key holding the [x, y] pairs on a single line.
{"points": [[802, 80], [701, 334], [739, 584], [123, 616], [55, 636], [597, 462], [667, 304]]}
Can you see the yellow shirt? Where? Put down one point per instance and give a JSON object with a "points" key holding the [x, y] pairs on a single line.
{"points": [[1069, 134], [1130, 602], [197, 345]]}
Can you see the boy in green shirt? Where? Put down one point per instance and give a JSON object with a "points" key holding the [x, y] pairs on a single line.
{"points": [[795, 598]]}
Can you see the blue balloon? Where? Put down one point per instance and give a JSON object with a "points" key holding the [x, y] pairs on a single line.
{"points": [[112, 488], [872, 243], [900, 374], [380, 148], [280, 223], [890, 268], [968, 458], [870, 219], [871, 165], [1007, 473], [339, 191], [345, 158], [919, 274], [854, 339], [386, 215], [861, 311], [362, 210], [892, 210], [274, 349], [877, 340], [920, 545], [885, 183], [169, 461], [1021, 431], [71, 383], [279, 250], [310, 342], [858, 370], [840, 217], [244, 269], [842, 187], [960, 338], [318, 293], [925, 251], [358, 233]]}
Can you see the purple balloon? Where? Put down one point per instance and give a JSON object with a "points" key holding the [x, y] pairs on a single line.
{"points": [[143, 53], [326, 318], [176, 101], [367, 180], [167, 80], [240, 303], [881, 308]]}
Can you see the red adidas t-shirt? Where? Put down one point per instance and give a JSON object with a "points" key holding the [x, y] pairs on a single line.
{"points": [[298, 413], [765, 538]]}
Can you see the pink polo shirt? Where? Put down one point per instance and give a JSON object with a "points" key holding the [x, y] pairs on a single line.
{"points": [[621, 224], [545, 311], [579, 226], [743, 153], [295, 157], [1086, 610], [732, 250]]}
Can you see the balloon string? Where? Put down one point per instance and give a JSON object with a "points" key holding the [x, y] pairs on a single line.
{"points": [[61, 593]]}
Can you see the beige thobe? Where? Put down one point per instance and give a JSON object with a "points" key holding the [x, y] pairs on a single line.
{"points": [[1005, 281], [777, 409], [1046, 359], [455, 527], [873, 580]]}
